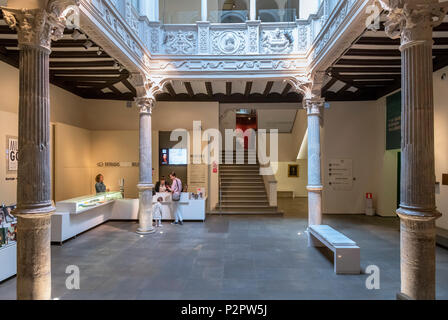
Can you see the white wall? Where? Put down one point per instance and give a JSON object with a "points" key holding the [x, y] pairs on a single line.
{"points": [[8, 188], [441, 142], [353, 130], [296, 185]]}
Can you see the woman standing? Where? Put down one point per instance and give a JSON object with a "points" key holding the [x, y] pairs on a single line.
{"points": [[176, 190]]}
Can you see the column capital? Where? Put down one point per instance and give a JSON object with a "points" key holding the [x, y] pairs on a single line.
{"points": [[145, 104], [413, 20], [314, 106], [37, 27]]}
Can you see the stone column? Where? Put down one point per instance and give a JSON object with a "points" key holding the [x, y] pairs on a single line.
{"points": [[314, 109], [145, 185], [413, 22], [35, 29]]}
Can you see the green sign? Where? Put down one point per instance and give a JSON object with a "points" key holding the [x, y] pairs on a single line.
{"points": [[393, 121]]}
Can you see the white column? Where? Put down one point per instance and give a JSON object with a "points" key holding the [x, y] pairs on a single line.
{"points": [[204, 10], [145, 185], [314, 109], [35, 29], [150, 8], [253, 10], [417, 211]]}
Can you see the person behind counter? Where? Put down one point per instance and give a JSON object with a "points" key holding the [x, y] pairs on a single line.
{"points": [[100, 187], [161, 185], [176, 190]]}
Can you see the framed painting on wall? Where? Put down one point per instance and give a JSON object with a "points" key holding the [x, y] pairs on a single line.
{"points": [[293, 171]]}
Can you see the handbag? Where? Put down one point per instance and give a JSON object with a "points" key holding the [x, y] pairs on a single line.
{"points": [[176, 195]]}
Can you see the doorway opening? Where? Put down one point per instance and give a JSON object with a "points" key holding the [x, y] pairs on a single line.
{"points": [[246, 119]]}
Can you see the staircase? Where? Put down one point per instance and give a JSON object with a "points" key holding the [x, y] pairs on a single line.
{"points": [[242, 190]]}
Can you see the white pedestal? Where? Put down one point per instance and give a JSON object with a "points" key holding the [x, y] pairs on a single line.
{"points": [[8, 261], [66, 225]]}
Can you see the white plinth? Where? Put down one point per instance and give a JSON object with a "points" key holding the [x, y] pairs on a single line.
{"points": [[8, 261]]}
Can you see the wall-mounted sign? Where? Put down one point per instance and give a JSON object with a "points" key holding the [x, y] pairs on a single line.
{"points": [[118, 164], [340, 174], [393, 122], [12, 152]]}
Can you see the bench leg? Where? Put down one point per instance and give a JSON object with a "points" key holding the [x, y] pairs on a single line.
{"points": [[313, 241], [347, 261]]}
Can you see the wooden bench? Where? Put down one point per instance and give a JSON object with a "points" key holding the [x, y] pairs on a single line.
{"points": [[346, 252]]}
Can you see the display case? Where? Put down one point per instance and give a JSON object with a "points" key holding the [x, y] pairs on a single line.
{"points": [[81, 204], [8, 244]]}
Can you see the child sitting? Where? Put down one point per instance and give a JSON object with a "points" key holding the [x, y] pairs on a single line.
{"points": [[157, 212]]}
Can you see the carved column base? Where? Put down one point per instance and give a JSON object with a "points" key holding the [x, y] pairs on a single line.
{"points": [[33, 256], [145, 209], [418, 256], [314, 211]]}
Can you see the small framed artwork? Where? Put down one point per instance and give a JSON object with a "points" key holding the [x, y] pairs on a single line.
{"points": [[293, 171]]}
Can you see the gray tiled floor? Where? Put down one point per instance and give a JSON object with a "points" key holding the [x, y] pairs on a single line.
{"points": [[229, 257]]}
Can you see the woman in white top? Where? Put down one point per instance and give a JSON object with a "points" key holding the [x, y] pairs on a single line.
{"points": [[176, 190]]}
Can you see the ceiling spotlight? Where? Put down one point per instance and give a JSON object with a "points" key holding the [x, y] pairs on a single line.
{"points": [[116, 64], [99, 52], [87, 44], [120, 68], [76, 34]]}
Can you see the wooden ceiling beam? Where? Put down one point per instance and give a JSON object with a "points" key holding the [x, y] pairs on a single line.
{"points": [[170, 89], [85, 71], [189, 88], [228, 88], [84, 78], [248, 88], [368, 62], [286, 89], [81, 64], [209, 89], [367, 69], [329, 84], [268, 88], [130, 87]]}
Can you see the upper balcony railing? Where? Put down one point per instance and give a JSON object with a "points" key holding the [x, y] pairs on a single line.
{"points": [[278, 32]]}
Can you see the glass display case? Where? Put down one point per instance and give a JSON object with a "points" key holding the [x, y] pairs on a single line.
{"points": [[81, 204]]}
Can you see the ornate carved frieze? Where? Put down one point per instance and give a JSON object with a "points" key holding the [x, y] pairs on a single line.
{"points": [[203, 37], [37, 27], [253, 36], [194, 65], [277, 41], [131, 16], [329, 27], [180, 42], [228, 42], [113, 15]]}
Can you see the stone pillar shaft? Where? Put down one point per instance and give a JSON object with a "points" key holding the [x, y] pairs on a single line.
{"points": [[35, 29], [417, 208], [34, 204], [413, 22], [145, 185], [314, 109]]}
